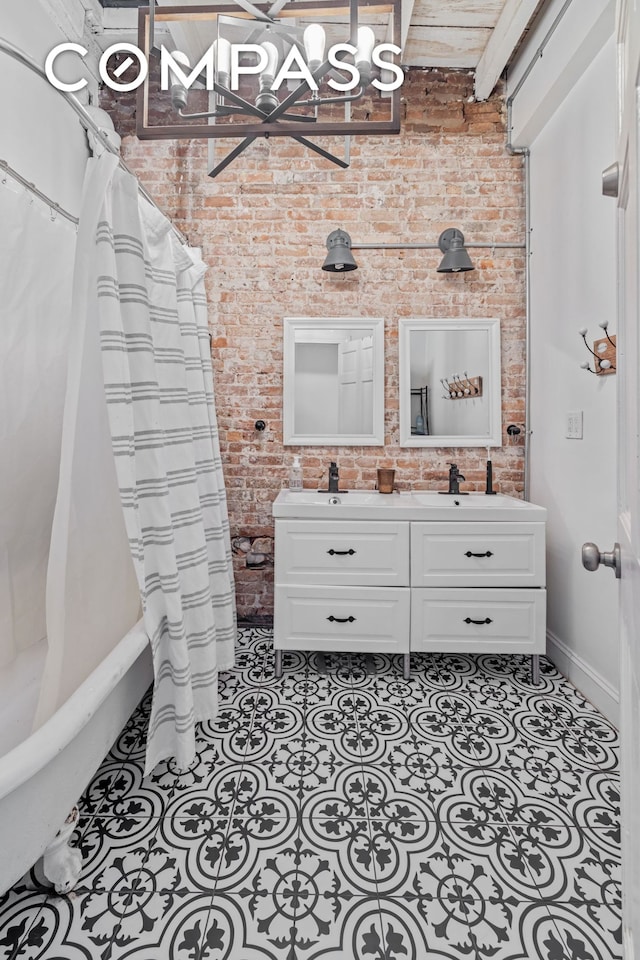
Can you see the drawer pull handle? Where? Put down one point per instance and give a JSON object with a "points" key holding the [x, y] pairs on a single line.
{"points": [[479, 622], [333, 619], [470, 554], [341, 553]]}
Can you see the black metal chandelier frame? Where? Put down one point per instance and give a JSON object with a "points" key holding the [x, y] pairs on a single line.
{"points": [[278, 121]]}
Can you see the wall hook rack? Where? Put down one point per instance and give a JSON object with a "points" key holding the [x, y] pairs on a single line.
{"points": [[462, 387], [604, 352]]}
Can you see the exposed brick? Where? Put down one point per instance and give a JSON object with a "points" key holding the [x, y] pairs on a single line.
{"points": [[262, 226]]}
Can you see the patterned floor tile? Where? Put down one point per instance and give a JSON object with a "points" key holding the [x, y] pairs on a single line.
{"points": [[564, 860], [341, 927], [257, 858], [482, 858], [341, 811], [300, 767], [20, 929], [335, 860], [101, 788], [166, 925], [106, 841], [233, 934], [590, 743], [443, 922], [430, 772], [586, 931], [74, 927], [527, 778], [343, 795]]}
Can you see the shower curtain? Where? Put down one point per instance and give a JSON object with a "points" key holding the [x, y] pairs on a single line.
{"points": [[36, 254], [144, 295]]}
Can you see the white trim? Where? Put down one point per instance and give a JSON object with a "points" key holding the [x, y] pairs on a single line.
{"points": [[580, 36], [592, 684]]}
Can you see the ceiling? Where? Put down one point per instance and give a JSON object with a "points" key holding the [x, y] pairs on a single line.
{"points": [[480, 35]]}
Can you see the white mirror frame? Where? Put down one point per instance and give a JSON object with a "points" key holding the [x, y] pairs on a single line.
{"points": [[374, 327], [491, 386]]}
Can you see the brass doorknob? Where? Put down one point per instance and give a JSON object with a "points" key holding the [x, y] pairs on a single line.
{"points": [[592, 557]]}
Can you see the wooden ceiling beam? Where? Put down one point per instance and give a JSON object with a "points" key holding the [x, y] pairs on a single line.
{"points": [[505, 36]]}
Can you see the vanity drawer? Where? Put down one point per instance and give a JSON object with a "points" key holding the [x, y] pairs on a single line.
{"points": [[343, 552], [477, 554], [365, 619], [510, 621]]}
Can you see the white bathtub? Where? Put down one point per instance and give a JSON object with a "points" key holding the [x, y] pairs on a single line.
{"points": [[44, 775]]}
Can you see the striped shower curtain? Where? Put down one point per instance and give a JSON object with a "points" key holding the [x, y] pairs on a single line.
{"points": [[159, 389]]}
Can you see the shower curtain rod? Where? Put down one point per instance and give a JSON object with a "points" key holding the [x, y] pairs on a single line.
{"points": [[31, 187], [87, 122]]}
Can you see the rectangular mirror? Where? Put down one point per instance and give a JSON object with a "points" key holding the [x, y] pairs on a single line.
{"points": [[333, 385], [450, 383]]}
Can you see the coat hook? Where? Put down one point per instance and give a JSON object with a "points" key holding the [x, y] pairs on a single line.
{"points": [[604, 351]]}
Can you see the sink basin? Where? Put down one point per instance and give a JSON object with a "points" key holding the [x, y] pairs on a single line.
{"points": [[333, 499], [356, 504], [475, 506], [425, 505]]}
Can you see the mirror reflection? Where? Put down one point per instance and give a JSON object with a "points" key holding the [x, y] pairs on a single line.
{"points": [[450, 383], [333, 381]]}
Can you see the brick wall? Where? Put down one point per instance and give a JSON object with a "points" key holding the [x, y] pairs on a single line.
{"points": [[262, 226]]}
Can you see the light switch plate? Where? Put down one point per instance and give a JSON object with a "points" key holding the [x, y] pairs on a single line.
{"points": [[574, 425]]}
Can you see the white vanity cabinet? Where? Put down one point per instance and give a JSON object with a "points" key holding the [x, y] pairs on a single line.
{"points": [[414, 573], [342, 585]]}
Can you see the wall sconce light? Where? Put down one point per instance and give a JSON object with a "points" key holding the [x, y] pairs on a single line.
{"points": [[456, 259], [450, 243], [604, 352], [339, 258]]}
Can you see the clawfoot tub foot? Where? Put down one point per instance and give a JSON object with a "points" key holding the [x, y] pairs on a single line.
{"points": [[61, 863]]}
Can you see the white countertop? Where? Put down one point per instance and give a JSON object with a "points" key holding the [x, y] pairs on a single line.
{"points": [[420, 505]]}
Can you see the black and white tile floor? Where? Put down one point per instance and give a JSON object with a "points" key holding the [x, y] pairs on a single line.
{"points": [[350, 815]]}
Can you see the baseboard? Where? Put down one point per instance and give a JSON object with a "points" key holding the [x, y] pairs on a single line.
{"points": [[256, 620], [582, 675]]}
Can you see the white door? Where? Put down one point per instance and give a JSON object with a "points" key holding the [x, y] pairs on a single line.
{"points": [[628, 30], [355, 386]]}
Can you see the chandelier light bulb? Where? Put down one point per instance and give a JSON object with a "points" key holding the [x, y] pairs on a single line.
{"points": [[584, 365], [314, 39], [365, 45], [222, 53], [178, 92], [605, 364], [364, 52], [604, 324], [582, 331], [272, 59]]}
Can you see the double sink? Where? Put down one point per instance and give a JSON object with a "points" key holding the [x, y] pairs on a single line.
{"points": [[425, 505]]}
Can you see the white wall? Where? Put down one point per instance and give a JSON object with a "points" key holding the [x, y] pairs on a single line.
{"points": [[436, 355], [573, 285], [316, 388]]}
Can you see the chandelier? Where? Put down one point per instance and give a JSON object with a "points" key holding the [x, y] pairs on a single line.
{"points": [[299, 69]]}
